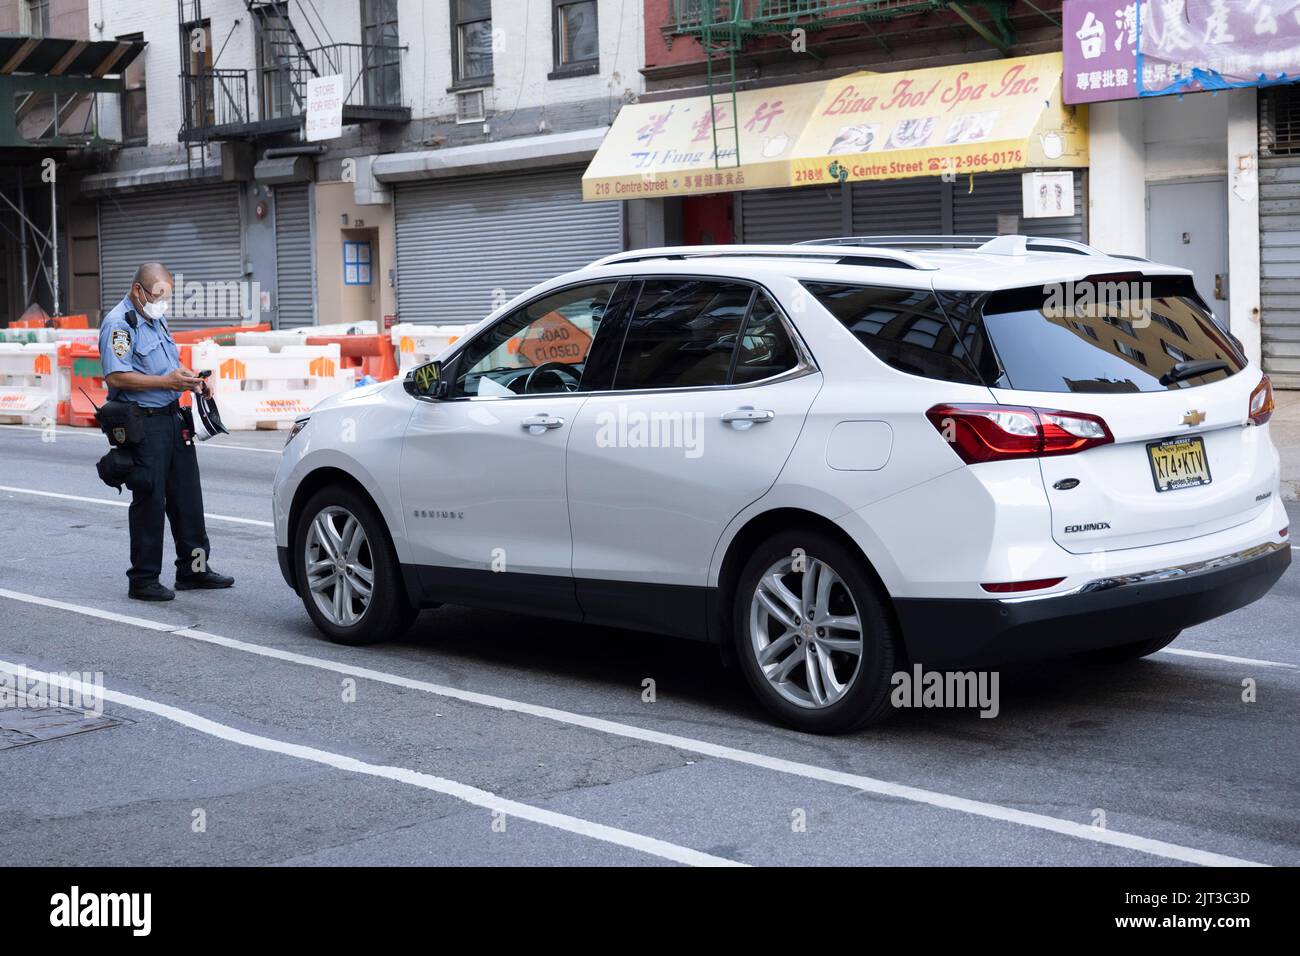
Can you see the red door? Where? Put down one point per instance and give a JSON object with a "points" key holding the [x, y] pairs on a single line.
{"points": [[707, 220]]}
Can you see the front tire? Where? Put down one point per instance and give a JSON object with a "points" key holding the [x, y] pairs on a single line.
{"points": [[813, 634], [348, 574]]}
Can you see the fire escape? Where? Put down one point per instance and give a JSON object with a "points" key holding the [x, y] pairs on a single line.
{"points": [[723, 27], [217, 103]]}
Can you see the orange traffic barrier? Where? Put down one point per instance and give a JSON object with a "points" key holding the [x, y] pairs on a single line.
{"points": [[86, 387], [366, 354], [55, 322], [222, 334], [80, 368]]}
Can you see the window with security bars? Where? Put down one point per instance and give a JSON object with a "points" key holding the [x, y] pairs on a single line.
{"points": [[1279, 121]]}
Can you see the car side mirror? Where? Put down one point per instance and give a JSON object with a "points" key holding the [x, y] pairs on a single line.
{"points": [[426, 381]]}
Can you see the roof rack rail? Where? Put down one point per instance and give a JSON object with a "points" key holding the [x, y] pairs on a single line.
{"points": [[991, 245], [1022, 245], [899, 242], [849, 255]]}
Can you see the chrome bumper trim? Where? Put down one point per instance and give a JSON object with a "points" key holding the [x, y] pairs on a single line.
{"points": [[1161, 574]]}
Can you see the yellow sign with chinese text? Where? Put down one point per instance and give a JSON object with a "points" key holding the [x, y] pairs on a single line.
{"points": [[974, 118]]}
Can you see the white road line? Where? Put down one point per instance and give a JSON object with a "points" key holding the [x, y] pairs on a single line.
{"points": [[126, 504], [1227, 657], [858, 782], [451, 788], [96, 434]]}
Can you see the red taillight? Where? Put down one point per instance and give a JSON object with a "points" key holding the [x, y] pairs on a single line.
{"points": [[1010, 587], [1261, 402], [980, 433], [1284, 532]]}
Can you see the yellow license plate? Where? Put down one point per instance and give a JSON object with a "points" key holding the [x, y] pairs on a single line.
{"points": [[1179, 463]]}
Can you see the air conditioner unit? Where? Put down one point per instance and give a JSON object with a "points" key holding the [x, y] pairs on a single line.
{"points": [[470, 106]]}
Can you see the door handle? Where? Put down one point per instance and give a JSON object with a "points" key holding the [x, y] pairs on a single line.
{"points": [[539, 423], [748, 416]]}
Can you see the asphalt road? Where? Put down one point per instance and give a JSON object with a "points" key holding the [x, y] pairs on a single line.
{"points": [[487, 738]]}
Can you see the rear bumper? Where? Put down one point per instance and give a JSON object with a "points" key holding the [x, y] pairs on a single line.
{"points": [[1104, 613]]}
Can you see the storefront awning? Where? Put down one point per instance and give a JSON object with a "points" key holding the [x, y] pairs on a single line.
{"points": [[974, 118]]}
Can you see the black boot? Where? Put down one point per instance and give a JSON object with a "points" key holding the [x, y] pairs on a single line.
{"points": [[207, 581], [150, 591]]}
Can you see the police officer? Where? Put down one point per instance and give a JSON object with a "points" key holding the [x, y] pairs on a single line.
{"points": [[142, 364]]}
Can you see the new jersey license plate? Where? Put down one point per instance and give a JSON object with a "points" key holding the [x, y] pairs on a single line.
{"points": [[1179, 463]]}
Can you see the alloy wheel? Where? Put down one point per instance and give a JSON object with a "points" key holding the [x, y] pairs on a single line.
{"points": [[340, 566], [805, 631]]}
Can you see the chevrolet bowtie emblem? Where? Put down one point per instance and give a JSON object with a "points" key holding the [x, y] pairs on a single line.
{"points": [[1194, 417]]}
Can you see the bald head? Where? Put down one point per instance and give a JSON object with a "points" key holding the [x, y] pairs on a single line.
{"points": [[152, 282], [151, 274]]}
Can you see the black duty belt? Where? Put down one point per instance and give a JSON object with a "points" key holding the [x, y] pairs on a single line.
{"points": [[169, 409]]}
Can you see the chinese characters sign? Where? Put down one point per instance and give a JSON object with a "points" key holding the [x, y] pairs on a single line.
{"points": [[1119, 50], [1001, 114], [1100, 50], [974, 118], [668, 148]]}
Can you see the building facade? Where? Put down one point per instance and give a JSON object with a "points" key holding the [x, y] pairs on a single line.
{"points": [[451, 181], [792, 50]]}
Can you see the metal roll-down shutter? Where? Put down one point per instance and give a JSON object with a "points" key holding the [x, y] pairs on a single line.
{"points": [[898, 207], [975, 210], [294, 276], [1279, 233], [791, 215], [193, 230], [464, 246]]}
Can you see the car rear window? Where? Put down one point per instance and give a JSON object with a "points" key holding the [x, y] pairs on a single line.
{"points": [[1110, 334], [1105, 334]]}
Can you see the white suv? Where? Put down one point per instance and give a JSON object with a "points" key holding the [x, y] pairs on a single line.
{"points": [[834, 460]]}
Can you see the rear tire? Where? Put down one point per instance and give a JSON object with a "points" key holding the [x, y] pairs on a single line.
{"points": [[1131, 652], [820, 670], [347, 571]]}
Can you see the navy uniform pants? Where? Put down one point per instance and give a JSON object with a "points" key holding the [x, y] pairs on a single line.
{"points": [[165, 482]]}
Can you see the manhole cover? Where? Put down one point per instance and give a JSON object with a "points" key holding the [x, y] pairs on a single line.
{"points": [[33, 725]]}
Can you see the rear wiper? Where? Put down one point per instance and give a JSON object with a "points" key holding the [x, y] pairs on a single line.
{"points": [[1192, 369]]}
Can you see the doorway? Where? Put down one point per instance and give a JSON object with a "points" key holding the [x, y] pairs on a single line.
{"points": [[1187, 225], [708, 220]]}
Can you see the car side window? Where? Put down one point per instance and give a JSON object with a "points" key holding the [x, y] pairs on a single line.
{"points": [[682, 334], [904, 328], [538, 349], [765, 347]]}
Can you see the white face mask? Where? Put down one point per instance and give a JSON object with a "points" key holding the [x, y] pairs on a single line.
{"points": [[156, 310]]}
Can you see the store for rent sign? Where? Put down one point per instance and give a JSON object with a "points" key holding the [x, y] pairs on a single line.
{"points": [[1122, 49], [324, 107]]}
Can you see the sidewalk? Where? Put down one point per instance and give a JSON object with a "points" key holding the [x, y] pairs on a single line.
{"points": [[1285, 429]]}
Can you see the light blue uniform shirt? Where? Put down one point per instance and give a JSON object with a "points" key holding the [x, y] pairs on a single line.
{"points": [[148, 348]]}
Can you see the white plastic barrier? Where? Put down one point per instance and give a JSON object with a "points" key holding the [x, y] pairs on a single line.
{"points": [[258, 388], [274, 341], [29, 383], [18, 336], [417, 344]]}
